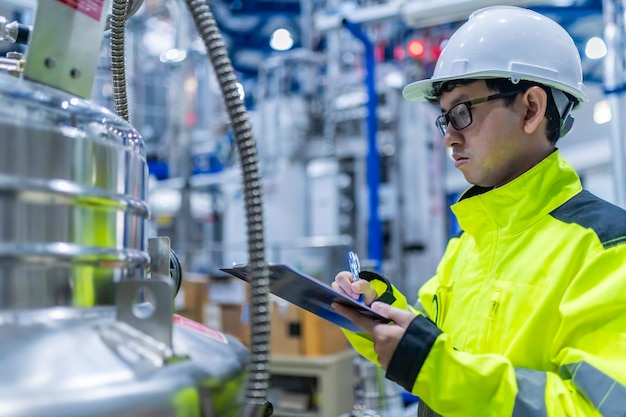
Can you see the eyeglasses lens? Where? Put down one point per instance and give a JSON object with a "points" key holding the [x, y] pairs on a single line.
{"points": [[460, 116]]}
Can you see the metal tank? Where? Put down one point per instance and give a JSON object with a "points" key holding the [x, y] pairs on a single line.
{"points": [[83, 332]]}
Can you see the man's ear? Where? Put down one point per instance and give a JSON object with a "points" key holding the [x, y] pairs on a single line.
{"points": [[535, 101]]}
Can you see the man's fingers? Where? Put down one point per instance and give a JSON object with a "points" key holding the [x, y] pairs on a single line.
{"points": [[400, 317], [359, 319], [343, 283], [365, 288]]}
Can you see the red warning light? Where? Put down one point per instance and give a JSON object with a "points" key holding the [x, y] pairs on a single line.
{"points": [[398, 53], [416, 48]]}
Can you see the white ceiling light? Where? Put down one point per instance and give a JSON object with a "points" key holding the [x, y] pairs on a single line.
{"points": [[602, 112], [159, 36], [595, 48], [281, 40], [395, 79], [173, 55]]}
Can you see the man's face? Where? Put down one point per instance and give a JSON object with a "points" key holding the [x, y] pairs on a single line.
{"points": [[492, 150]]}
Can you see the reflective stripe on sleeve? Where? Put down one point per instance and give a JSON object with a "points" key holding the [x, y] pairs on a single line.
{"points": [[605, 393], [531, 393]]}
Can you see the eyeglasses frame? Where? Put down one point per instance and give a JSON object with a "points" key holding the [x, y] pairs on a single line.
{"points": [[442, 121]]}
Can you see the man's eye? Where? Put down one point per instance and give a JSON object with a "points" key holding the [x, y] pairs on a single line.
{"points": [[462, 111]]}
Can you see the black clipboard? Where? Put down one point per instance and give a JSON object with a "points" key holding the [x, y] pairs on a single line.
{"points": [[310, 294]]}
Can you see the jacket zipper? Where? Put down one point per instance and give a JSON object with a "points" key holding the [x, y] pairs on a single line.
{"points": [[440, 300], [437, 309], [494, 305]]}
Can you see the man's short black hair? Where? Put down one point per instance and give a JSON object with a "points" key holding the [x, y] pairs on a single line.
{"points": [[503, 85]]}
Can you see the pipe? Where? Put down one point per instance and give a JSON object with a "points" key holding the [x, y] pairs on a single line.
{"points": [[373, 158], [614, 88], [415, 13], [256, 404], [419, 14], [131, 7], [373, 13], [118, 66]]}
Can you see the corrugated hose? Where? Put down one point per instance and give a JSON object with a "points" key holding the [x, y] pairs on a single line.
{"points": [[255, 404], [258, 367]]}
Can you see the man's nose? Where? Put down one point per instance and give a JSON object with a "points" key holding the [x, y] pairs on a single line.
{"points": [[452, 136]]}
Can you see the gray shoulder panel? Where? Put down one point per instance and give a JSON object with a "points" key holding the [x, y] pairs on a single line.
{"points": [[587, 210]]}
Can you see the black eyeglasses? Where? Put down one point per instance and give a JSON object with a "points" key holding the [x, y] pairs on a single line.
{"points": [[460, 114]]}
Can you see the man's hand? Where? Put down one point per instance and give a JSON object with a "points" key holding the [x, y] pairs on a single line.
{"points": [[386, 336], [343, 283]]}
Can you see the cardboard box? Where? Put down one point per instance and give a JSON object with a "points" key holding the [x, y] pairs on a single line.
{"points": [[191, 298], [286, 329], [194, 301], [234, 322], [320, 337], [295, 331]]}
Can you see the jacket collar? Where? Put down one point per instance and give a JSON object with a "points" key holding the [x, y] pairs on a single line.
{"points": [[516, 205]]}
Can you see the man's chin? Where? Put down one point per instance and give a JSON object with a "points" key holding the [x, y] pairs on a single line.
{"points": [[477, 181]]}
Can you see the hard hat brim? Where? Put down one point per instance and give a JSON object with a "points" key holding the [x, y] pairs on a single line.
{"points": [[421, 90]]}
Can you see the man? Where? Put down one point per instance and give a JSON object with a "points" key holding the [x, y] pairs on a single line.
{"points": [[526, 315]]}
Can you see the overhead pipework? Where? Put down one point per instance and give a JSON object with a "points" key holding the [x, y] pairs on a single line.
{"points": [[415, 13]]}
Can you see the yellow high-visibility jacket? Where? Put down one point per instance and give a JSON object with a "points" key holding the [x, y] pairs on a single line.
{"points": [[526, 315]]}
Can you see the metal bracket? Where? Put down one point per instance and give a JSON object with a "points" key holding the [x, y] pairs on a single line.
{"points": [[142, 333], [164, 263], [65, 44], [159, 251], [147, 306]]}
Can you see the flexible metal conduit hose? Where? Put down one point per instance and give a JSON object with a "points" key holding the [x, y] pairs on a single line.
{"points": [[118, 66], [258, 368]]}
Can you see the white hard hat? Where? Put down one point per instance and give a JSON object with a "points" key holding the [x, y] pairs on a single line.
{"points": [[508, 42]]}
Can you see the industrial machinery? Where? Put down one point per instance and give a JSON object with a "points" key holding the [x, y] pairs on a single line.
{"points": [[86, 324]]}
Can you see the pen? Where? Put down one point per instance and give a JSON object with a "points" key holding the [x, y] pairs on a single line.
{"points": [[355, 268]]}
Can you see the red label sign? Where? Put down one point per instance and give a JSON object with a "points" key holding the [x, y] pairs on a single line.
{"points": [[92, 8], [190, 324]]}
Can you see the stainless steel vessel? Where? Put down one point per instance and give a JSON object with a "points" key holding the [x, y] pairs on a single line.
{"points": [[82, 331], [72, 199]]}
